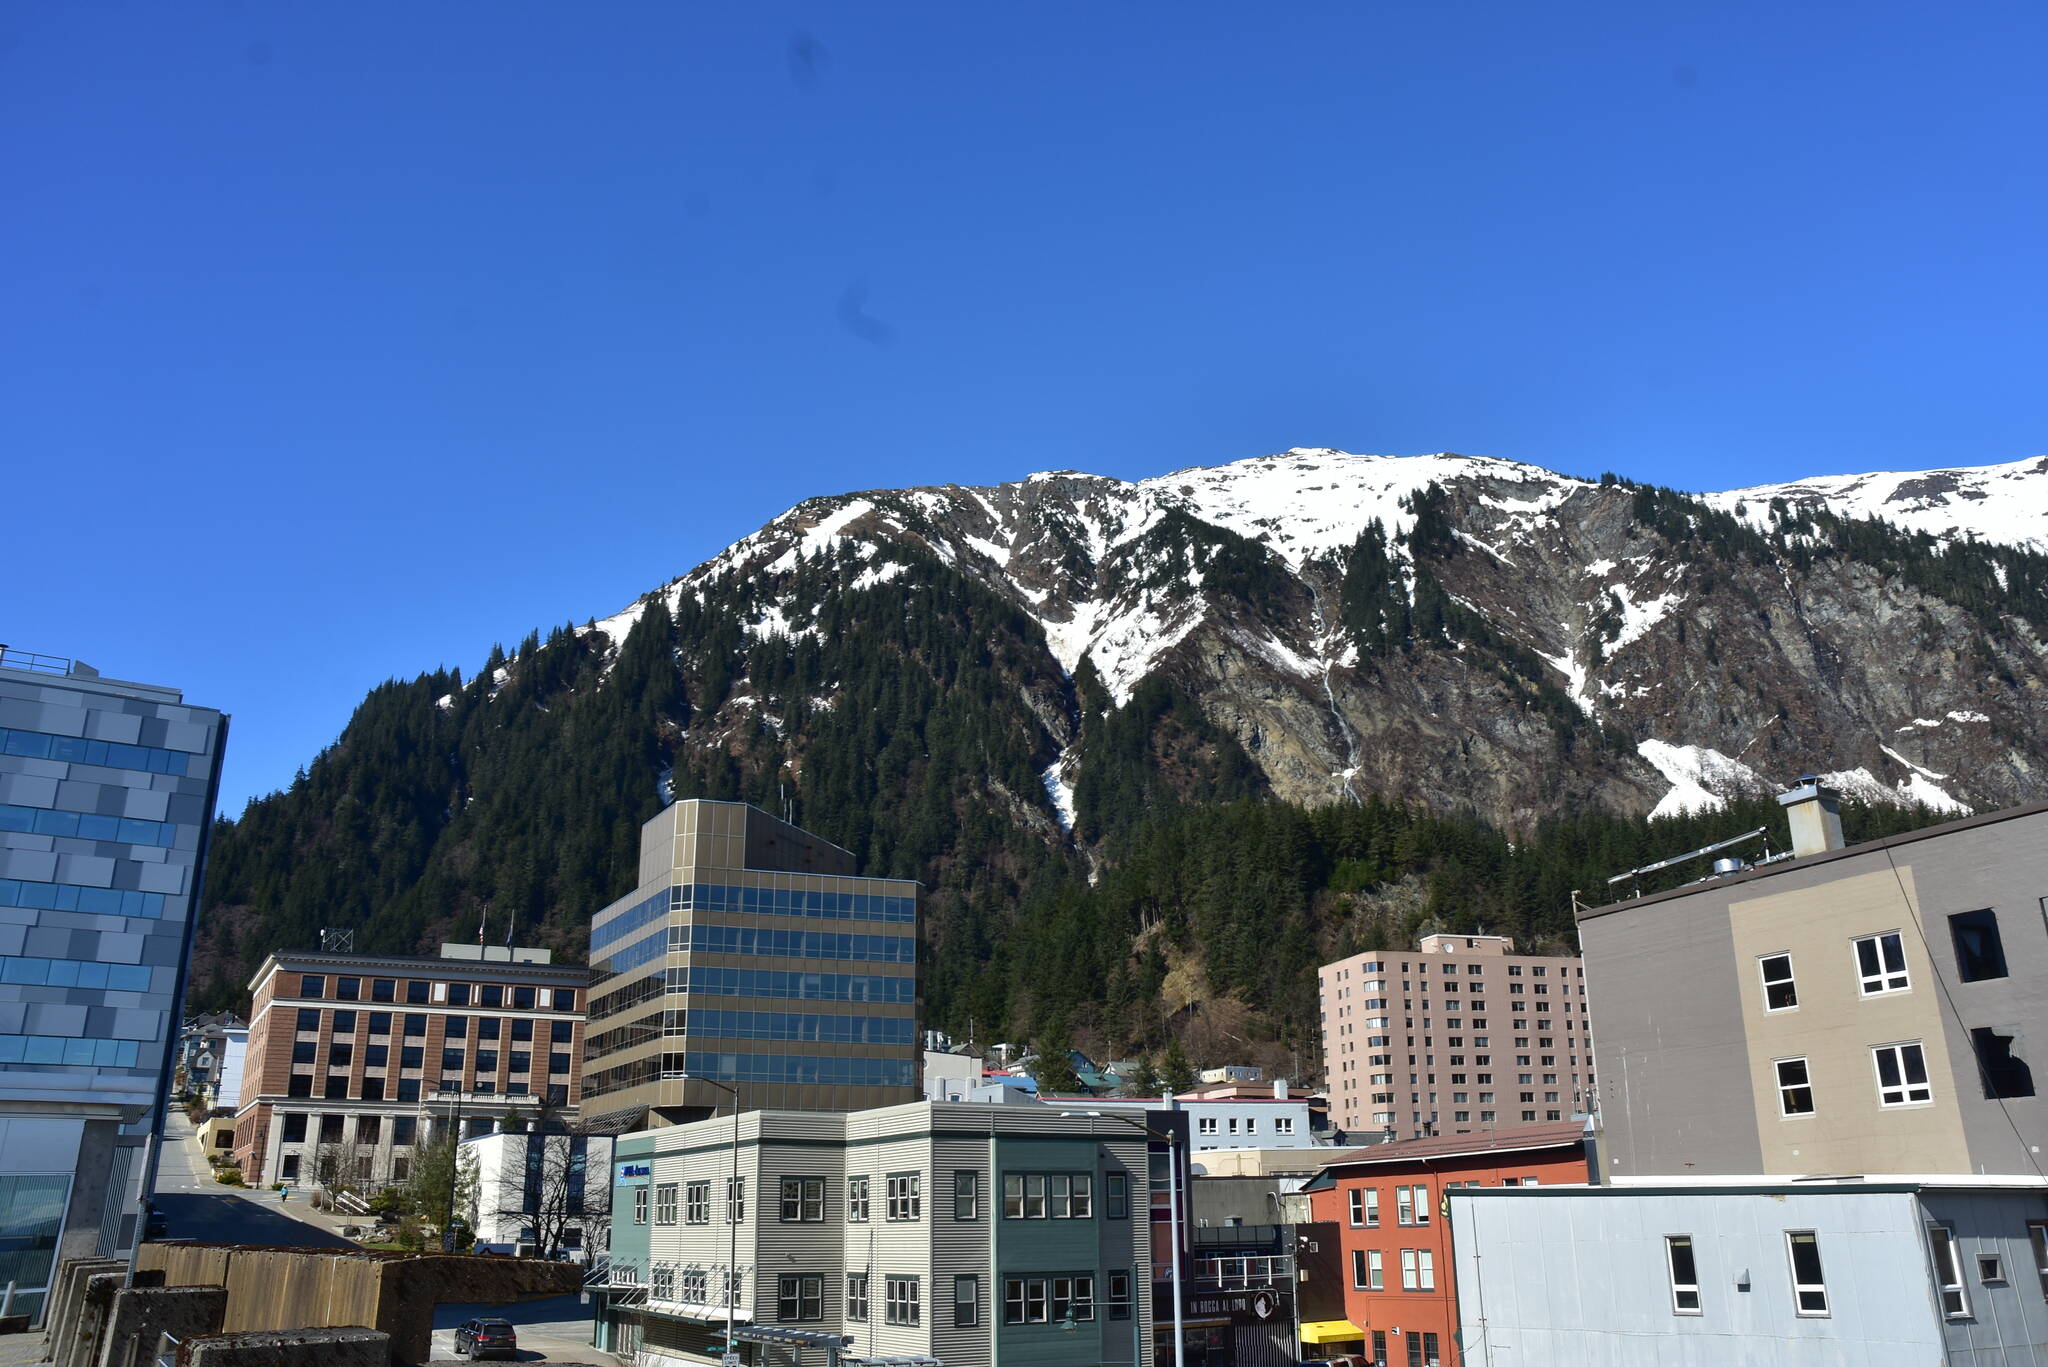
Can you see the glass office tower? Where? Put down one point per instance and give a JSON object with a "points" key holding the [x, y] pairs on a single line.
{"points": [[107, 792], [750, 955]]}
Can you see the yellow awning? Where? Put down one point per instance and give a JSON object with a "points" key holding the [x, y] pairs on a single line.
{"points": [[1330, 1331]]}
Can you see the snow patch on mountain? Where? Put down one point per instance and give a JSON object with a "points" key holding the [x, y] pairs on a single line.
{"points": [[1638, 618], [1702, 779], [2007, 504]]}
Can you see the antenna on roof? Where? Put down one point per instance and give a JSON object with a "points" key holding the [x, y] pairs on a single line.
{"points": [[1636, 874], [336, 941]]}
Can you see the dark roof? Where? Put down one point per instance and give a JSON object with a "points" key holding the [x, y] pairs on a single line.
{"points": [[1550, 1134], [1809, 861]]}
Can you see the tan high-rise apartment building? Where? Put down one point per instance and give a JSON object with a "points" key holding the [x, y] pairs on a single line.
{"points": [[1458, 1036], [1874, 1008], [355, 1059], [752, 956]]}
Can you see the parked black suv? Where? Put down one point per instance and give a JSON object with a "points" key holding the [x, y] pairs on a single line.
{"points": [[486, 1338]]}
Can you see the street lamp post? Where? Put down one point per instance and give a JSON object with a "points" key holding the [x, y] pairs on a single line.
{"points": [[454, 1166], [732, 1253], [1172, 1142]]}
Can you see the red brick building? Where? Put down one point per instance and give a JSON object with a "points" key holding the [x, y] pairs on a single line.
{"points": [[1387, 1205], [355, 1059]]}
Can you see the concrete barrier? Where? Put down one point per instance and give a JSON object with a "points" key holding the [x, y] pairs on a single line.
{"points": [[289, 1348], [141, 1314], [309, 1288], [60, 1303]]}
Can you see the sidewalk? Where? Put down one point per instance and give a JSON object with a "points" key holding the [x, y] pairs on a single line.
{"points": [[183, 1167]]}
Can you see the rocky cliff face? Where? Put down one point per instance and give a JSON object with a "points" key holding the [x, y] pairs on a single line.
{"points": [[1565, 641]]}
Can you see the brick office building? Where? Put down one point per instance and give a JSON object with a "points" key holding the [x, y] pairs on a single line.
{"points": [[358, 1058], [1458, 1036], [1386, 1204]]}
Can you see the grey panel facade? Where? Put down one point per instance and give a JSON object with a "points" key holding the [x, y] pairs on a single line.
{"points": [[107, 790], [1688, 1048], [1565, 1277]]}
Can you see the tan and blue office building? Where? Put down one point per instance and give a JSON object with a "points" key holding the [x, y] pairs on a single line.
{"points": [[750, 955]]}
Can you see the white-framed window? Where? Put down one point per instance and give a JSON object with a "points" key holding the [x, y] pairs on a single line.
{"points": [[697, 1203], [1881, 964], [1375, 1270], [639, 1205], [857, 1296], [902, 1299], [661, 1282], [665, 1204], [1780, 992], [1901, 1075], [1283, 1124], [1809, 1284], [799, 1297], [735, 1200], [856, 1198], [1206, 1125], [1425, 1269], [906, 1201], [1408, 1270], [1420, 1195], [1795, 1087], [803, 1199], [1685, 1274], [1948, 1271]]}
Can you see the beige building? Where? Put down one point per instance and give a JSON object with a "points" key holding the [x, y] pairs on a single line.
{"points": [[1457, 1036], [750, 955], [1873, 1009]]}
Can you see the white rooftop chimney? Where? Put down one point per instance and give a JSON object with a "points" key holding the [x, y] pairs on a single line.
{"points": [[1815, 815]]}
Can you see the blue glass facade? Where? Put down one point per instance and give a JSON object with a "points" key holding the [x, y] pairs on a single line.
{"points": [[107, 791]]}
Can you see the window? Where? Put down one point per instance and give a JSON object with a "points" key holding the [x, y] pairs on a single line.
{"points": [[1948, 1272], [2037, 1235], [966, 1302], [1881, 964], [344, 1022], [803, 1199], [489, 1027], [295, 1127], [799, 1297], [1117, 1188], [522, 1029], [351, 989], [1375, 1271], [403, 1127], [383, 989], [1979, 953], [1073, 1297], [857, 1296], [1779, 992], [966, 1195], [415, 1026], [665, 1204], [1119, 1295], [1404, 1206], [455, 1027], [309, 1018], [1358, 1271], [416, 993], [522, 998], [1024, 1300], [1795, 1087], [735, 1200], [340, 1055], [1283, 1124], [458, 994], [1991, 1269], [1418, 1269], [1685, 1277], [490, 994], [291, 1167], [906, 1202], [901, 1306], [312, 985], [2003, 1072], [697, 1203], [565, 999], [856, 1198], [411, 1056], [1809, 1287], [305, 1051], [1901, 1075], [640, 1205], [380, 1022], [560, 1032]]}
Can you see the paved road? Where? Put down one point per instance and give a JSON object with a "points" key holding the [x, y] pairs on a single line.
{"points": [[556, 1330], [197, 1207]]}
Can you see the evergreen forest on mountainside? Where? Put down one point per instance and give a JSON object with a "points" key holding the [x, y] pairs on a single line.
{"points": [[911, 728]]}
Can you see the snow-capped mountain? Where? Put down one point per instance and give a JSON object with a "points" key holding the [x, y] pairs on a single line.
{"points": [[1559, 640], [2003, 504]]}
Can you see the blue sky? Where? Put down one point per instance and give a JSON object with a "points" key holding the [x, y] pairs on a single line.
{"points": [[344, 340]]}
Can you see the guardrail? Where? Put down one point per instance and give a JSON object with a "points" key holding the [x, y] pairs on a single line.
{"points": [[29, 660]]}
